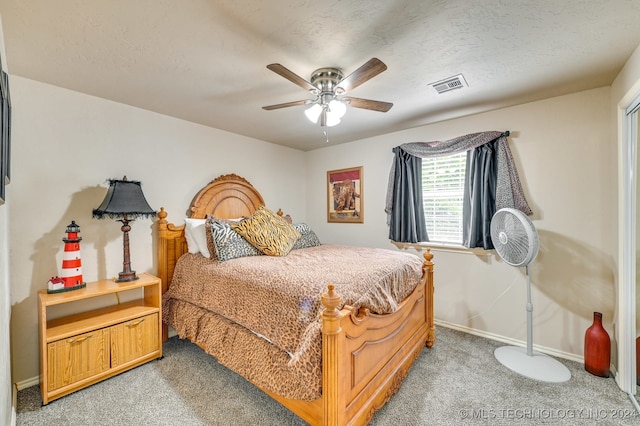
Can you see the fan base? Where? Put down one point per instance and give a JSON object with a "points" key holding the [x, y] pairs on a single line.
{"points": [[537, 366]]}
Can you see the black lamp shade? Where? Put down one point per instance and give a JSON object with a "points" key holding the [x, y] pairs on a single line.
{"points": [[124, 202], [124, 199]]}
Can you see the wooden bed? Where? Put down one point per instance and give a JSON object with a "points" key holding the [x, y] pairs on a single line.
{"points": [[365, 357]]}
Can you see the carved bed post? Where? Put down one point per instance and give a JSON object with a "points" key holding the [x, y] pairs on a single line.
{"points": [[171, 245], [427, 275], [162, 248], [332, 371], [162, 261]]}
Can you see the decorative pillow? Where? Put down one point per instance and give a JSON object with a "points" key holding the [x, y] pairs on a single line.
{"points": [[228, 243], [196, 234], [308, 237], [210, 244], [268, 232]]}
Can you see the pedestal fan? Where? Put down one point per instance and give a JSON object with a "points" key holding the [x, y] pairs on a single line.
{"points": [[515, 239]]}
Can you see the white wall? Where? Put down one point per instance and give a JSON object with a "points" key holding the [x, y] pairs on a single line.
{"points": [[6, 411], [564, 154], [67, 144], [624, 89], [7, 414], [627, 81]]}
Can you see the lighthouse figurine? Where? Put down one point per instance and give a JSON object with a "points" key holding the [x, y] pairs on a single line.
{"points": [[71, 276]]}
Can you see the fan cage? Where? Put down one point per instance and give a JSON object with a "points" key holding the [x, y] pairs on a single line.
{"points": [[514, 237]]}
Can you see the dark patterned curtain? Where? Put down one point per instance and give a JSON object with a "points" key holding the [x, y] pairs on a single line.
{"points": [[479, 199], [491, 183], [406, 221]]}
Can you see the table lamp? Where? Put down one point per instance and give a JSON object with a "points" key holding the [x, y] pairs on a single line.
{"points": [[124, 202]]}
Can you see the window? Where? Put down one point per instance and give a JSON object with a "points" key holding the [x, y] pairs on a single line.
{"points": [[442, 193]]}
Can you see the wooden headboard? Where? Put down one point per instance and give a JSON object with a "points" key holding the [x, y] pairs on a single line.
{"points": [[227, 197]]}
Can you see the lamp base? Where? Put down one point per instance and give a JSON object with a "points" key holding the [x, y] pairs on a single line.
{"points": [[124, 277]]}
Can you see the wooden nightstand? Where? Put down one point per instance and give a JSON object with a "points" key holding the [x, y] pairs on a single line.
{"points": [[81, 349]]}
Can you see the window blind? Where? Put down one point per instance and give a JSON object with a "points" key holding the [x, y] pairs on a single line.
{"points": [[442, 191]]}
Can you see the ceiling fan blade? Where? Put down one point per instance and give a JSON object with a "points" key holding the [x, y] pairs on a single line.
{"points": [[287, 104], [370, 69], [368, 104], [291, 76]]}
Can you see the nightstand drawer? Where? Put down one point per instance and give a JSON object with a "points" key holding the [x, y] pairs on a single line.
{"points": [[78, 357], [134, 339]]}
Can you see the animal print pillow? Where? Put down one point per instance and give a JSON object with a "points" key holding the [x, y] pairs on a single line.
{"points": [[308, 238], [210, 244], [268, 232], [228, 243]]}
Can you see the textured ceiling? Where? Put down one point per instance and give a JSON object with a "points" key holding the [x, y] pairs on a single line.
{"points": [[205, 61]]}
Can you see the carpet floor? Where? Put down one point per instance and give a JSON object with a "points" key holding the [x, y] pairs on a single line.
{"points": [[459, 381]]}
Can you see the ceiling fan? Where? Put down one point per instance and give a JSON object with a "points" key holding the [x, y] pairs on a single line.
{"points": [[328, 85]]}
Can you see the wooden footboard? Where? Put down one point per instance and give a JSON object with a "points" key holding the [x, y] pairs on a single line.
{"points": [[365, 357]]}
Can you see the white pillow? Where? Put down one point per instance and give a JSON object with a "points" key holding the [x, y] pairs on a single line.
{"points": [[196, 234]]}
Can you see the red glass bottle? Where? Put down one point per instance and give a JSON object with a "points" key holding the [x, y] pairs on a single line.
{"points": [[638, 361], [597, 348]]}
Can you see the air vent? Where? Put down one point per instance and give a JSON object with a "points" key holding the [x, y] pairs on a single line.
{"points": [[449, 84]]}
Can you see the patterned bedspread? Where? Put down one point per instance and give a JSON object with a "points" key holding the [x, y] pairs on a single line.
{"points": [[223, 306]]}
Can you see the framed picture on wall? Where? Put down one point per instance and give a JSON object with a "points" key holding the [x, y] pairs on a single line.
{"points": [[5, 149], [5, 134], [344, 195], [6, 126]]}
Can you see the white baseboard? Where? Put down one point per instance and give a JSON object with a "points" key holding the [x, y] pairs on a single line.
{"points": [[514, 342], [27, 383]]}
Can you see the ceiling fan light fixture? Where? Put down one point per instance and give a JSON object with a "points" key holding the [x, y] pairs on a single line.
{"points": [[337, 108], [313, 113], [328, 85], [332, 119]]}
